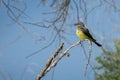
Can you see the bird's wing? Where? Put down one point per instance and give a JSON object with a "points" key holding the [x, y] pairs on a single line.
{"points": [[86, 32]]}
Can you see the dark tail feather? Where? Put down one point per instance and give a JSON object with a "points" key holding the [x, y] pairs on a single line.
{"points": [[98, 44]]}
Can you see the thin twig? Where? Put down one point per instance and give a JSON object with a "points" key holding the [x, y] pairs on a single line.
{"points": [[77, 8], [88, 60]]}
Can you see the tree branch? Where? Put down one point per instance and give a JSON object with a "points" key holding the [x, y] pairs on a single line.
{"points": [[50, 63], [39, 76]]}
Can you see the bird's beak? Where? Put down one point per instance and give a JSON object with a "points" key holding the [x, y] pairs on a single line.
{"points": [[76, 24]]}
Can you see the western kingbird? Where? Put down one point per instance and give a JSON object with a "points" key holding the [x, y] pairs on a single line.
{"points": [[83, 33]]}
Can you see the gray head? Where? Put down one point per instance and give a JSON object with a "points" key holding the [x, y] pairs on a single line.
{"points": [[79, 24]]}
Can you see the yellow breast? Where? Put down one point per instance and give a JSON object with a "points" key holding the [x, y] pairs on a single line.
{"points": [[81, 35]]}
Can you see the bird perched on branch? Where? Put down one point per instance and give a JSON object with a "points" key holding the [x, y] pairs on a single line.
{"points": [[83, 33]]}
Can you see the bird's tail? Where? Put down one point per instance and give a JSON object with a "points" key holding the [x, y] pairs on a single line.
{"points": [[98, 44]]}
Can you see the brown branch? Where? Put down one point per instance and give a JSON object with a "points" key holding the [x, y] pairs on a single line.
{"points": [[40, 75], [63, 54], [50, 63]]}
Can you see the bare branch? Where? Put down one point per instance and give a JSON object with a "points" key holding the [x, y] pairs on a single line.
{"points": [[38, 24], [88, 60], [39, 76], [46, 46], [76, 5], [50, 63]]}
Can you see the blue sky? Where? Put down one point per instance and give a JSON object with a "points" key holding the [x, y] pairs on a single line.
{"points": [[16, 44]]}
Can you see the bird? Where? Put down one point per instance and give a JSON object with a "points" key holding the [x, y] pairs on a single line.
{"points": [[83, 33]]}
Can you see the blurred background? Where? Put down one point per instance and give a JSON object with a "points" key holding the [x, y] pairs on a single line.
{"points": [[31, 31]]}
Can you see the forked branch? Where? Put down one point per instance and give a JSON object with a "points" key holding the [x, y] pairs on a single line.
{"points": [[52, 61]]}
